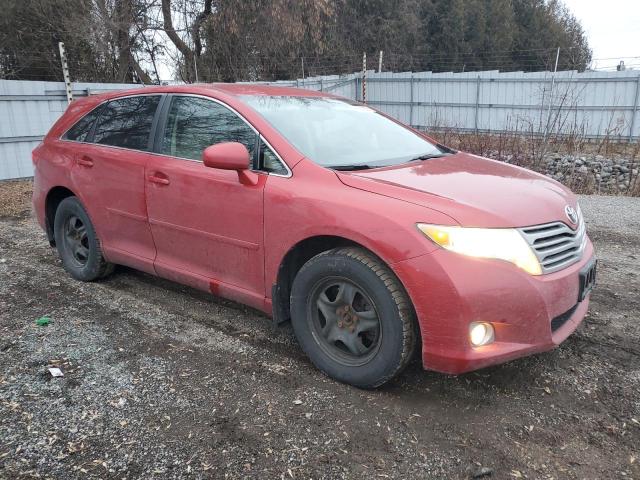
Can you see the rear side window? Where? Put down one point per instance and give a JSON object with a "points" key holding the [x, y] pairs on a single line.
{"points": [[127, 122], [81, 130], [194, 124]]}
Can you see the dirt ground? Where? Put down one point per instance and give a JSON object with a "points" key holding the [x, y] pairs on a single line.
{"points": [[162, 381]]}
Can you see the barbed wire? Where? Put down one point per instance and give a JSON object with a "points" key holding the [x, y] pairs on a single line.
{"points": [[358, 55], [46, 65]]}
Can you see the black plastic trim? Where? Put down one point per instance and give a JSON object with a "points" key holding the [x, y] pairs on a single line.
{"points": [[560, 320]]}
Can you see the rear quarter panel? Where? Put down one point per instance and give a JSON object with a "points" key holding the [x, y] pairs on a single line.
{"points": [[53, 159]]}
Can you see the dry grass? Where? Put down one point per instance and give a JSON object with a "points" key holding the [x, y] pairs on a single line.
{"points": [[15, 198]]}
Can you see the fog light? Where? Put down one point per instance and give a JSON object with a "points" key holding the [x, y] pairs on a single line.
{"points": [[480, 334]]}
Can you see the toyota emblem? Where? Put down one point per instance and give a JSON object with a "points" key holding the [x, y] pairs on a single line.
{"points": [[571, 213]]}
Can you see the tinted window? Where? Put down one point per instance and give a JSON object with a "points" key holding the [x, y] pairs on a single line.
{"points": [[80, 131], [269, 161], [194, 124], [127, 122]]}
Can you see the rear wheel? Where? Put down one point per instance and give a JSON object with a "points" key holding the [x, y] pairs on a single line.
{"points": [[352, 317], [77, 242]]}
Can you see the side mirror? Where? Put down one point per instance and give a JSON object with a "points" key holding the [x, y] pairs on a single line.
{"points": [[226, 156]]}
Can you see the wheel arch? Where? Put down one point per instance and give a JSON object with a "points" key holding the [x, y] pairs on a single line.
{"points": [[296, 257], [54, 196]]}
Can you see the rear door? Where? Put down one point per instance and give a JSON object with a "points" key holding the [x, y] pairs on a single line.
{"points": [[110, 169], [207, 226]]}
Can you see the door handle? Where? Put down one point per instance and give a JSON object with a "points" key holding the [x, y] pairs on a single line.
{"points": [[159, 178], [85, 161]]}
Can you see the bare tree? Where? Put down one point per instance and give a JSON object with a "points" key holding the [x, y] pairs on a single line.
{"points": [[124, 40]]}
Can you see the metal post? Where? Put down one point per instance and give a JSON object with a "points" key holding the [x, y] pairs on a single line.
{"points": [[321, 85], [553, 81], [411, 102], [380, 62], [195, 66], [65, 72], [634, 111], [302, 61], [477, 104], [364, 77]]}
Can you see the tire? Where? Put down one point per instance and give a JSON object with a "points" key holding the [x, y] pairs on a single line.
{"points": [[77, 242], [342, 341]]}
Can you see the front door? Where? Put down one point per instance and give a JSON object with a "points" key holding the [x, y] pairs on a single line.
{"points": [[207, 226]]}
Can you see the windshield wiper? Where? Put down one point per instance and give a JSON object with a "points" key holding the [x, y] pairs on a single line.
{"points": [[428, 156], [445, 149], [346, 168]]}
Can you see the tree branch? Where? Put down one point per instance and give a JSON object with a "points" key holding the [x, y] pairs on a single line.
{"points": [[142, 75], [195, 31], [171, 32]]}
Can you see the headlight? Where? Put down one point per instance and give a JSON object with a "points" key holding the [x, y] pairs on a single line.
{"points": [[499, 243]]}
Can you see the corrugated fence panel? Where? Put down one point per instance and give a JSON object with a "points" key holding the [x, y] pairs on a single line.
{"points": [[591, 104]]}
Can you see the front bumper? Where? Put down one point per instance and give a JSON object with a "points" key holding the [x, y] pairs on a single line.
{"points": [[449, 291]]}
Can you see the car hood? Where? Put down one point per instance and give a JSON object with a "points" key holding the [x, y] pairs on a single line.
{"points": [[475, 191]]}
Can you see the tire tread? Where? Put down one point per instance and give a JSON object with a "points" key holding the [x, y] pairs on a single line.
{"points": [[102, 268], [398, 294]]}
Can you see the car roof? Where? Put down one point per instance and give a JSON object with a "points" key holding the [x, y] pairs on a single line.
{"points": [[258, 89], [228, 89]]}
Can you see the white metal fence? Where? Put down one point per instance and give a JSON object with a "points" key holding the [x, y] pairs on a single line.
{"points": [[590, 104]]}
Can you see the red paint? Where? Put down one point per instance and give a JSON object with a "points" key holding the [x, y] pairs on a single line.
{"points": [[226, 156], [227, 230]]}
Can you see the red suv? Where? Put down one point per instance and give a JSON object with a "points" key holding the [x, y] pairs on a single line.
{"points": [[372, 238]]}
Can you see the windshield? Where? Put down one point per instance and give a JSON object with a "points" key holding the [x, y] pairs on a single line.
{"points": [[338, 134]]}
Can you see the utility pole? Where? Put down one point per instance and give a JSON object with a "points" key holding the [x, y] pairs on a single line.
{"points": [[364, 77], [380, 62], [553, 81], [65, 72]]}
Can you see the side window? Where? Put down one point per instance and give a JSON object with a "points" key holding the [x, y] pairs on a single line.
{"points": [[268, 161], [80, 131], [194, 124], [127, 122]]}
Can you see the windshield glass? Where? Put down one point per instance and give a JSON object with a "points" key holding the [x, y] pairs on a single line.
{"points": [[337, 133]]}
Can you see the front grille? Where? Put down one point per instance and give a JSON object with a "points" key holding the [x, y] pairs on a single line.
{"points": [[556, 244]]}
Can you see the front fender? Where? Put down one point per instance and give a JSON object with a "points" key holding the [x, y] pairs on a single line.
{"points": [[313, 202]]}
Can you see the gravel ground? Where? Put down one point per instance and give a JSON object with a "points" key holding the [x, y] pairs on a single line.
{"points": [[14, 198], [162, 381]]}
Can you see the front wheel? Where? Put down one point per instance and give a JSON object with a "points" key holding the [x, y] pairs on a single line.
{"points": [[352, 317]]}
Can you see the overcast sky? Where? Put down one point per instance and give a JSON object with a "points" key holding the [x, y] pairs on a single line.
{"points": [[612, 27]]}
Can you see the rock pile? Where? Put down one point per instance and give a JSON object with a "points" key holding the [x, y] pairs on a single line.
{"points": [[607, 175]]}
